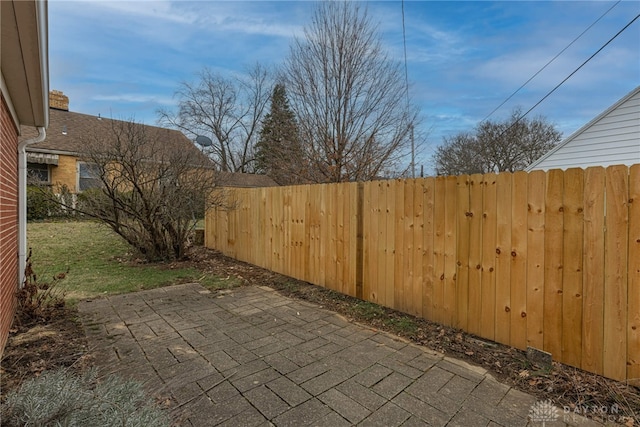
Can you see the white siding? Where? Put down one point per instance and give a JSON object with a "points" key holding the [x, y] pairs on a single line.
{"points": [[613, 138]]}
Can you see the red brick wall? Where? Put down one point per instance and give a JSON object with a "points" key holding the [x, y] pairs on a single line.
{"points": [[8, 221]]}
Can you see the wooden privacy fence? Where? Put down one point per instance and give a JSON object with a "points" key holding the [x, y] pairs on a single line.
{"points": [[549, 260]]}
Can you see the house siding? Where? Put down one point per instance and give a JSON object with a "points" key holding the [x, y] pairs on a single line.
{"points": [[65, 173], [8, 221], [612, 139]]}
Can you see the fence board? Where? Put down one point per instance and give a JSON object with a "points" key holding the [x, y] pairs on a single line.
{"points": [[407, 248], [428, 245], [389, 243], [271, 206], [331, 257], [381, 264], [593, 275], [297, 232], [399, 247], [553, 264], [306, 266], [243, 246], [339, 194], [264, 259], [349, 238], [231, 230], [337, 209], [536, 190], [475, 254], [615, 272], [489, 224], [439, 231], [378, 267], [572, 266], [313, 220], [324, 235], [369, 230], [450, 266], [254, 221], [298, 204], [633, 328], [287, 250], [503, 257], [462, 253], [518, 304], [224, 236], [418, 247]]}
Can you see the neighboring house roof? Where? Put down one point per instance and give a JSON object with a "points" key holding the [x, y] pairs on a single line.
{"points": [[68, 132], [246, 180], [611, 138], [24, 60]]}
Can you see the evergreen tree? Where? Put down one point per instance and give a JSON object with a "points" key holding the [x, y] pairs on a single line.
{"points": [[279, 153]]}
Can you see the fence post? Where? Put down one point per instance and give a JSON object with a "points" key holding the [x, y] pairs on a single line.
{"points": [[359, 241]]}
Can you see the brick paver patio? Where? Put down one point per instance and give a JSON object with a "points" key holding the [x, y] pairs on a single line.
{"points": [[252, 357]]}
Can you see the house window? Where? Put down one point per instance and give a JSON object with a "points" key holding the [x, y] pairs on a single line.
{"points": [[88, 176], [38, 173]]}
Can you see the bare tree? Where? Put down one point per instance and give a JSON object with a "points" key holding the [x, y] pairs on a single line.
{"points": [[510, 145], [150, 185], [348, 96], [460, 154], [228, 110]]}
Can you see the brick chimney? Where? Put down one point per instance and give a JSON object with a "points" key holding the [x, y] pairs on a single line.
{"points": [[58, 100]]}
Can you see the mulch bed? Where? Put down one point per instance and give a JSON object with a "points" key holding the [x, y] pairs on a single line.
{"points": [[34, 346]]}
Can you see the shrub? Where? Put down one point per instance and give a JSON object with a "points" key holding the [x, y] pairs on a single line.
{"points": [[45, 202], [41, 203], [61, 398]]}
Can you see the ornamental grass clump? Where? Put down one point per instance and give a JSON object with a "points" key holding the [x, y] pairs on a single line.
{"points": [[62, 398]]}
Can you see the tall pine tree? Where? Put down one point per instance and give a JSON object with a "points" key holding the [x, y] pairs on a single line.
{"points": [[279, 153]]}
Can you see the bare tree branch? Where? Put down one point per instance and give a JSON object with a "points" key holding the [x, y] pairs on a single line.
{"points": [[348, 96], [496, 146], [228, 110]]}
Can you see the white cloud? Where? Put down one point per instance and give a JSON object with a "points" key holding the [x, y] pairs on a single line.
{"points": [[134, 98]]}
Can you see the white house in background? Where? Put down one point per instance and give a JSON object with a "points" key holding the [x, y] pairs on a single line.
{"points": [[612, 138]]}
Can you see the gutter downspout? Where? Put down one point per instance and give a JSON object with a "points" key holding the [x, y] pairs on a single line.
{"points": [[22, 201]]}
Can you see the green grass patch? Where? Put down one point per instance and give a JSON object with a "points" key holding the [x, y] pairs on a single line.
{"points": [[369, 310], [99, 262], [403, 324]]}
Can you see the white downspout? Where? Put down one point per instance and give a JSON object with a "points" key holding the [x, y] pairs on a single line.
{"points": [[22, 201]]}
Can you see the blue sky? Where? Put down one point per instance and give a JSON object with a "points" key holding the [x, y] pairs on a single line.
{"points": [[125, 59]]}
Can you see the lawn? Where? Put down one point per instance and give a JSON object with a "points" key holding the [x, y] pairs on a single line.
{"points": [[98, 262]]}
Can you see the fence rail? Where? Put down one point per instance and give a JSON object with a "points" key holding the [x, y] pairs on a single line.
{"points": [[549, 260]]}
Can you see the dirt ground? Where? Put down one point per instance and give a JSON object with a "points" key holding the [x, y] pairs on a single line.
{"points": [[38, 344]]}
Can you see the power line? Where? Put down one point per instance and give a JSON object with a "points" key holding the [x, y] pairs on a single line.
{"points": [[572, 73], [406, 83], [548, 63], [404, 42]]}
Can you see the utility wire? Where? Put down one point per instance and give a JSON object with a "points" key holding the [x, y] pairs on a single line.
{"points": [[406, 82], [570, 75], [548, 63], [404, 42]]}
